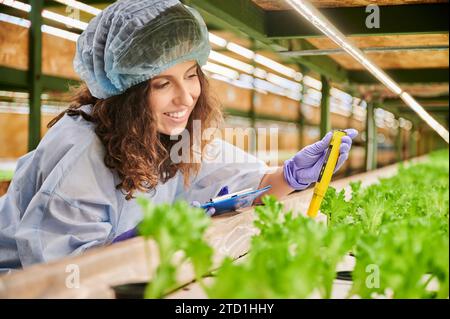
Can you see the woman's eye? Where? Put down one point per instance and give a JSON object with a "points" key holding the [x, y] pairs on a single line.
{"points": [[193, 75], [162, 86]]}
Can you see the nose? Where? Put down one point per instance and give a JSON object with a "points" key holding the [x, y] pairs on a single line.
{"points": [[183, 96]]}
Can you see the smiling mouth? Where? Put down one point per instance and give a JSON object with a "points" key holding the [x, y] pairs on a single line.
{"points": [[177, 115]]}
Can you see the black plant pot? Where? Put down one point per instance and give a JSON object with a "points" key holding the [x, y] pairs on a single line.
{"points": [[344, 275], [130, 291]]}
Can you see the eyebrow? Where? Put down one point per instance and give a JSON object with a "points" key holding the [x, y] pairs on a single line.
{"points": [[170, 76]]}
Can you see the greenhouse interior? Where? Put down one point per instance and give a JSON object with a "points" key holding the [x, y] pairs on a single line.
{"points": [[340, 109]]}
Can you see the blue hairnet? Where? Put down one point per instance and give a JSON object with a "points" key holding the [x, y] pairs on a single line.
{"points": [[132, 41]]}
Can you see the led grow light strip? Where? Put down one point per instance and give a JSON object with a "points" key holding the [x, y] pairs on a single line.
{"points": [[271, 64], [412, 103], [249, 54], [229, 61], [319, 21], [313, 15], [236, 48], [214, 39], [65, 20], [45, 28], [210, 67], [46, 14], [222, 70], [214, 56], [81, 6], [60, 33]]}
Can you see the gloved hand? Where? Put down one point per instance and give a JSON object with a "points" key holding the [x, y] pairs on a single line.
{"points": [[304, 168], [211, 210]]}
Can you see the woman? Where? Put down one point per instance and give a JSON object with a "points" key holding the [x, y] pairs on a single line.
{"points": [[140, 61]]}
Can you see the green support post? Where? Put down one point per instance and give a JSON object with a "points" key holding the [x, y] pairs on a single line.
{"points": [[301, 127], [301, 118], [349, 169], [35, 74], [399, 144], [413, 136], [252, 113], [371, 138], [430, 141], [325, 118], [420, 139], [252, 117]]}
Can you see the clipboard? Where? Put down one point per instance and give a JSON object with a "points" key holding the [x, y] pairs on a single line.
{"points": [[233, 201]]}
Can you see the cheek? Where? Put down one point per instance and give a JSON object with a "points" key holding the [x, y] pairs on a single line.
{"points": [[197, 90], [157, 102], [160, 100]]}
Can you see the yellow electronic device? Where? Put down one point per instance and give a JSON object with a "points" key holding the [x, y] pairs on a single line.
{"points": [[326, 172]]}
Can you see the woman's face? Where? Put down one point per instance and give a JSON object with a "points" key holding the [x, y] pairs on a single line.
{"points": [[173, 96]]}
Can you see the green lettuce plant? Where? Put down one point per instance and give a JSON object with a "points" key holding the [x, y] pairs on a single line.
{"points": [[291, 257], [177, 228], [397, 230], [402, 226]]}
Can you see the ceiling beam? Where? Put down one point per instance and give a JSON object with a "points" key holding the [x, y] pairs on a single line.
{"points": [[441, 115], [424, 101], [427, 75], [14, 79], [94, 3], [366, 50], [397, 19], [435, 109], [242, 16], [245, 18]]}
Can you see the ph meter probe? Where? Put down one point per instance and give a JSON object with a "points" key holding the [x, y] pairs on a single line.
{"points": [[326, 172]]}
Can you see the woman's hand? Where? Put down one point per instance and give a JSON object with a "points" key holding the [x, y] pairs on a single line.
{"points": [[304, 168]]}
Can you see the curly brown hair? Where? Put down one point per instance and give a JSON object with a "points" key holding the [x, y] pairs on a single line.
{"points": [[127, 129]]}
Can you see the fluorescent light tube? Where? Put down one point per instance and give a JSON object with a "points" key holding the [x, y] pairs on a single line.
{"points": [[45, 28], [81, 6], [231, 62], [412, 103], [217, 40], [227, 72], [233, 47], [309, 12], [271, 64], [46, 14]]}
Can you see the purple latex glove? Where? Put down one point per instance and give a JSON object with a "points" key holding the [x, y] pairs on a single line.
{"points": [[211, 210], [304, 168]]}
